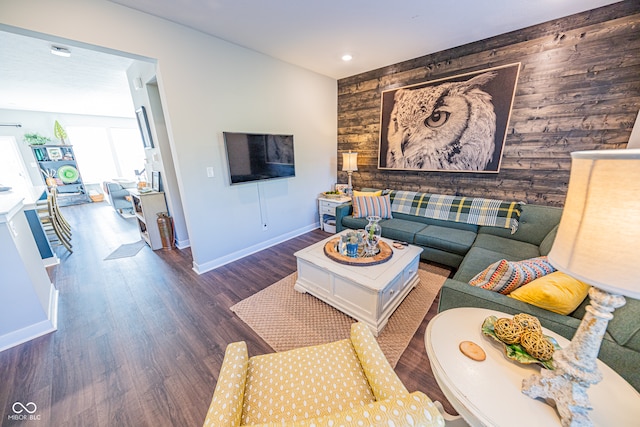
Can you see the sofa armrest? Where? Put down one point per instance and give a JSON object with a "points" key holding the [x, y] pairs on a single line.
{"points": [[342, 210], [382, 379], [460, 294], [228, 396], [414, 409]]}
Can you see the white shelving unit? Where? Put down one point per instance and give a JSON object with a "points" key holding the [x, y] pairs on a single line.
{"points": [[51, 159], [146, 207]]}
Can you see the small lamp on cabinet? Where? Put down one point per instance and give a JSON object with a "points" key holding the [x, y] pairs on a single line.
{"points": [[349, 165]]}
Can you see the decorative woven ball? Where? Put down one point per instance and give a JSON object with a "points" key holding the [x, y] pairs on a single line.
{"points": [[528, 322], [507, 330], [537, 345]]}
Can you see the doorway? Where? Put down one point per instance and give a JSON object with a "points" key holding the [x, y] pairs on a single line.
{"points": [[41, 87]]}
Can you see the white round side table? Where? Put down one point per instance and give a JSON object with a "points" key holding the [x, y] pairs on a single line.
{"points": [[488, 393]]}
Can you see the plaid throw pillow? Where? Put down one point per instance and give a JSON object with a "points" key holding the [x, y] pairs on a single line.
{"points": [[364, 206], [505, 276]]}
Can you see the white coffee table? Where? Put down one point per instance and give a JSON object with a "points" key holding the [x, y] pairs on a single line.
{"points": [[488, 393], [369, 294]]}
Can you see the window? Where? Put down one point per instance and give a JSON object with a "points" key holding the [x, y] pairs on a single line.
{"points": [[107, 153], [12, 170]]}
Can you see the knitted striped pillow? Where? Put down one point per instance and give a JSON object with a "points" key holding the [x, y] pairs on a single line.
{"points": [[505, 276], [364, 206]]}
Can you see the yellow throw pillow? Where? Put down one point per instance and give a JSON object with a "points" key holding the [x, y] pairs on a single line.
{"points": [[367, 193], [557, 292]]}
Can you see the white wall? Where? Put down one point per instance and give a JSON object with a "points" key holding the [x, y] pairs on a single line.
{"points": [[208, 86], [160, 157]]}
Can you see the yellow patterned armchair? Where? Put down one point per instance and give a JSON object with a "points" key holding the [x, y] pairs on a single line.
{"points": [[344, 383]]}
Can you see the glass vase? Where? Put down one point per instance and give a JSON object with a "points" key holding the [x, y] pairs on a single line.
{"points": [[373, 234]]}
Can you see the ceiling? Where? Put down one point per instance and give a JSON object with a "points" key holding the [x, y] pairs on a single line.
{"points": [[88, 82], [311, 34]]}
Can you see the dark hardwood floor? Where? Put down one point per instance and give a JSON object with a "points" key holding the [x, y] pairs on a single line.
{"points": [[140, 340]]}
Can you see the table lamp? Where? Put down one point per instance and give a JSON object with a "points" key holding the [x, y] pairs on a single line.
{"points": [[349, 164], [598, 243]]}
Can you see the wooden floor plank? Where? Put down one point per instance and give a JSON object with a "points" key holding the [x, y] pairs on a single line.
{"points": [[140, 340]]}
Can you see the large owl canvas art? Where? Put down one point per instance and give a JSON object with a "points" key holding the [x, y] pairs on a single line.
{"points": [[458, 124]]}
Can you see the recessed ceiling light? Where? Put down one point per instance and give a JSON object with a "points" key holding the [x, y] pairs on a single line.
{"points": [[347, 57], [60, 51]]}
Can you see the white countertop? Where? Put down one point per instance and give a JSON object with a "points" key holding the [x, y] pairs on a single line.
{"points": [[13, 200]]}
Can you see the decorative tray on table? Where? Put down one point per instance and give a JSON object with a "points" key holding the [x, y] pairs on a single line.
{"points": [[517, 352], [332, 250], [332, 195]]}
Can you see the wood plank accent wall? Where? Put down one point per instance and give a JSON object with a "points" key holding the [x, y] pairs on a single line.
{"points": [[579, 89]]}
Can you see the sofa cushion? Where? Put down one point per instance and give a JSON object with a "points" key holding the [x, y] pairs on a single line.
{"points": [[438, 222], [415, 409], [547, 242], [504, 276], [441, 257], [557, 292], [535, 223], [625, 325], [514, 248], [400, 229], [312, 372], [446, 239], [355, 223], [364, 206]]}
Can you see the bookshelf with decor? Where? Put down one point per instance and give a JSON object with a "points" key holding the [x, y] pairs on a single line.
{"points": [[58, 166]]}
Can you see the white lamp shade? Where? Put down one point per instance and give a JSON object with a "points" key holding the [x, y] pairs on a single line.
{"points": [[349, 161], [598, 240], [634, 138]]}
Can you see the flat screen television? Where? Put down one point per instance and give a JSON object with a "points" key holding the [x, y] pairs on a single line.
{"points": [[256, 157]]}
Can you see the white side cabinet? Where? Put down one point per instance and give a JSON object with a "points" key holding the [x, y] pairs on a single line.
{"points": [[146, 207], [327, 211]]}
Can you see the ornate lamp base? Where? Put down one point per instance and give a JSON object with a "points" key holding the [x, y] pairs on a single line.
{"points": [[576, 369]]}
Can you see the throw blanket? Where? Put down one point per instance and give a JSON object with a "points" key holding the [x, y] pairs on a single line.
{"points": [[470, 210]]}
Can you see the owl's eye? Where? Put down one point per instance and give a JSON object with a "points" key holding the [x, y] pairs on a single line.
{"points": [[437, 119]]}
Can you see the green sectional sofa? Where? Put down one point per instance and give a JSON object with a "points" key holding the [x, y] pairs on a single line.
{"points": [[471, 248]]}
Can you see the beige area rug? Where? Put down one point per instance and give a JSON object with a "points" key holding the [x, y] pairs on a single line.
{"points": [[287, 319]]}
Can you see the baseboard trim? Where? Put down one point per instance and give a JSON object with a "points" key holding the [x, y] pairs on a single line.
{"points": [[182, 244], [36, 330], [219, 262], [51, 261]]}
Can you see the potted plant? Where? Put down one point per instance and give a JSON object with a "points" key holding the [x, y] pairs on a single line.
{"points": [[352, 240], [36, 139], [59, 132]]}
